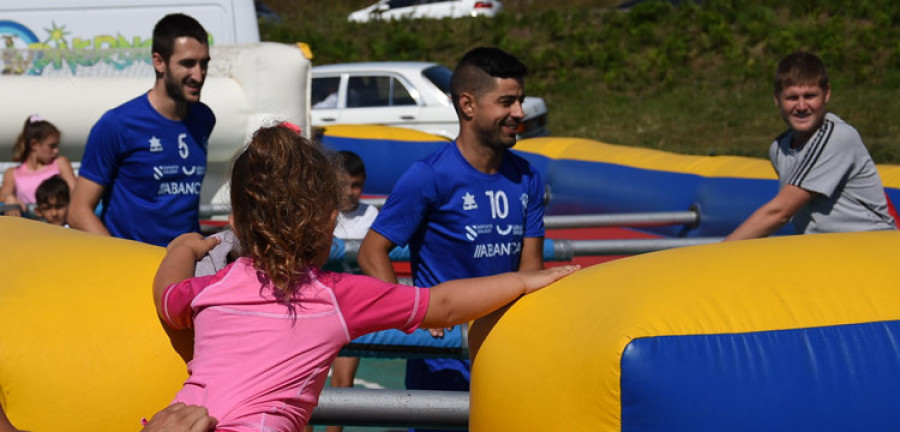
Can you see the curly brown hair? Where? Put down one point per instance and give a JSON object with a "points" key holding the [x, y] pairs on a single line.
{"points": [[284, 196]]}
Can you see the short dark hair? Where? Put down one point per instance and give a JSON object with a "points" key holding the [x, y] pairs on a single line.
{"points": [[174, 26], [53, 188], [800, 68], [351, 163], [477, 69]]}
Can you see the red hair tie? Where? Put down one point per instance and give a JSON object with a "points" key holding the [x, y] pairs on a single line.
{"points": [[291, 126]]}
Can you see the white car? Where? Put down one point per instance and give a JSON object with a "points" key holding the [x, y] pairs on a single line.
{"points": [[415, 95], [436, 9]]}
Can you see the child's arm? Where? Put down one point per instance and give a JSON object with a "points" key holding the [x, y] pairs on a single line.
{"points": [[66, 171], [178, 265], [181, 257], [8, 192], [463, 300]]}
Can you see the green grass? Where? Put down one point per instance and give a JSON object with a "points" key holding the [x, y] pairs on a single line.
{"points": [[692, 79]]}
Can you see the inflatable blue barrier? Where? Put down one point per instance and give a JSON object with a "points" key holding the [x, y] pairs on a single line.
{"points": [[588, 177], [386, 151], [418, 344]]}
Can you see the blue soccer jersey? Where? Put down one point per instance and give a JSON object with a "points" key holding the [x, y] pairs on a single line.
{"points": [[460, 222], [151, 169]]}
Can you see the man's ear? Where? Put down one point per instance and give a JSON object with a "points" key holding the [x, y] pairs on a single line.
{"points": [[467, 105], [827, 93], [158, 63]]}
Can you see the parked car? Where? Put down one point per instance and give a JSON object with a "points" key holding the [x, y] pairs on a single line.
{"points": [[397, 9], [415, 95]]}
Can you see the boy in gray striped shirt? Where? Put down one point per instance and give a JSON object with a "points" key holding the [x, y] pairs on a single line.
{"points": [[828, 180]]}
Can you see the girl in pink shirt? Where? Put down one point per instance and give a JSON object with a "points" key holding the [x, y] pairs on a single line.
{"points": [[268, 326], [37, 148]]}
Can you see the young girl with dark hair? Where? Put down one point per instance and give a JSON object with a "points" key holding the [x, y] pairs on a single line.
{"points": [[37, 148]]}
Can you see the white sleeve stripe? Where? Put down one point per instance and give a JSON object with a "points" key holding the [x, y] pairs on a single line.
{"points": [[415, 308], [165, 306]]}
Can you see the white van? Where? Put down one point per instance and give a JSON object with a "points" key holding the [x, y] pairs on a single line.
{"points": [[71, 60], [69, 30]]}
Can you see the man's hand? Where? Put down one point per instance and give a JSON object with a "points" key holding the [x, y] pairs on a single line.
{"points": [[438, 333], [181, 418]]}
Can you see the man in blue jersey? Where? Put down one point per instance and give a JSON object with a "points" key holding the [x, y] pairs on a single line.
{"points": [[473, 208], [828, 180], [145, 160]]}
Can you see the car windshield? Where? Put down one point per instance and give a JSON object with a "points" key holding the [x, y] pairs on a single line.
{"points": [[440, 76]]}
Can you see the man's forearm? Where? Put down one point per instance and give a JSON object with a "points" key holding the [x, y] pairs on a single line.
{"points": [[86, 220], [378, 265], [373, 257], [760, 224]]}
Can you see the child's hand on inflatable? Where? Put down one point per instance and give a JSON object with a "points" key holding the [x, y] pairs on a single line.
{"points": [[535, 280]]}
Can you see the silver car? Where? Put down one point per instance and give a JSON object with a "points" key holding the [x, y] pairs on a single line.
{"points": [[415, 95]]}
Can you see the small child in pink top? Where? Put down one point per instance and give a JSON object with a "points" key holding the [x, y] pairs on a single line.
{"points": [[268, 326], [37, 148]]}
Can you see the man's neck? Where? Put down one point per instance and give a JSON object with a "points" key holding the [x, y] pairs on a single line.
{"points": [[164, 104], [798, 139], [479, 155]]}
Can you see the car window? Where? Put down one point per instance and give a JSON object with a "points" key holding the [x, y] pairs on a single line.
{"points": [[324, 92], [440, 76], [395, 4], [377, 91]]}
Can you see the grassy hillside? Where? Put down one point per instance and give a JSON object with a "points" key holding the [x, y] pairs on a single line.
{"points": [[692, 79]]}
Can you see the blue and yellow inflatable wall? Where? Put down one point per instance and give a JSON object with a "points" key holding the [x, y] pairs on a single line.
{"points": [[586, 176], [795, 333]]}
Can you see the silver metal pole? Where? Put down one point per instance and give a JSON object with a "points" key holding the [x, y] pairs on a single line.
{"points": [[209, 210], [392, 408], [28, 213], [564, 250], [553, 222], [622, 219]]}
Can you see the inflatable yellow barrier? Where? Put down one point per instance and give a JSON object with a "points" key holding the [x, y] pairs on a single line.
{"points": [[81, 348], [791, 333]]}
